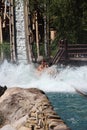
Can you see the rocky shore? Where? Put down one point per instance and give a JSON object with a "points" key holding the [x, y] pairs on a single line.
{"points": [[28, 109]]}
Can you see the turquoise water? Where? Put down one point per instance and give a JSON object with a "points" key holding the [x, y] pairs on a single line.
{"points": [[72, 108]]}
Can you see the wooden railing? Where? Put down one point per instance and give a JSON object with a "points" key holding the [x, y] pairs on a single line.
{"points": [[70, 52], [58, 56]]}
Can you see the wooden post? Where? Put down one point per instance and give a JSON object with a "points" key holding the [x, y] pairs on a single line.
{"points": [[37, 35], [45, 29], [5, 3], [1, 38], [11, 28], [61, 44], [66, 51], [48, 30], [27, 29]]}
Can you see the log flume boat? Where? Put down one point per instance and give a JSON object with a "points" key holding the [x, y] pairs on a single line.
{"points": [[81, 92]]}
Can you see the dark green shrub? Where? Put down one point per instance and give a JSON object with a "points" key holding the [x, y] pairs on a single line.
{"points": [[5, 50]]}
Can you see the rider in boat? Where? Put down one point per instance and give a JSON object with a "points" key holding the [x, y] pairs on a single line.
{"points": [[42, 66]]}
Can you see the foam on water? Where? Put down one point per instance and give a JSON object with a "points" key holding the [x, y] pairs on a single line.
{"points": [[64, 80]]}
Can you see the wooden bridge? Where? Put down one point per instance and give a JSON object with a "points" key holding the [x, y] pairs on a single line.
{"points": [[70, 53]]}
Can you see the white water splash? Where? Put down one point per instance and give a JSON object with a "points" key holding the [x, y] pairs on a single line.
{"points": [[25, 76]]}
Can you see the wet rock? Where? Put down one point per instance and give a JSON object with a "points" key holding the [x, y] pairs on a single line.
{"points": [[24, 128], [7, 127], [2, 90], [29, 109]]}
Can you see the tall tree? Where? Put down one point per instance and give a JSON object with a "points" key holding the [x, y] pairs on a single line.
{"points": [[67, 16]]}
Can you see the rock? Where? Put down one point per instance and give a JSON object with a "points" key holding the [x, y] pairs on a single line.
{"points": [[7, 127], [24, 128], [28, 108], [17, 124], [2, 90]]}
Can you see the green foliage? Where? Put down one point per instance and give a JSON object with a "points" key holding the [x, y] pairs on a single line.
{"points": [[41, 49], [54, 47], [5, 49], [66, 18]]}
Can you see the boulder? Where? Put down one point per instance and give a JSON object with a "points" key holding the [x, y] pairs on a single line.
{"points": [[2, 90], [7, 127], [28, 109]]}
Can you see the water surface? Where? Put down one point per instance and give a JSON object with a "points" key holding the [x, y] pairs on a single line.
{"points": [[72, 108]]}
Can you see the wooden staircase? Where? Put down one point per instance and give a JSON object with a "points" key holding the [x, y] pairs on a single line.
{"points": [[58, 56]]}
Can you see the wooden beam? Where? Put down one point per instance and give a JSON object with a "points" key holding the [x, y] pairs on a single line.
{"points": [[5, 8], [37, 36], [27, 30], [1, 38], [11, 28]]}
